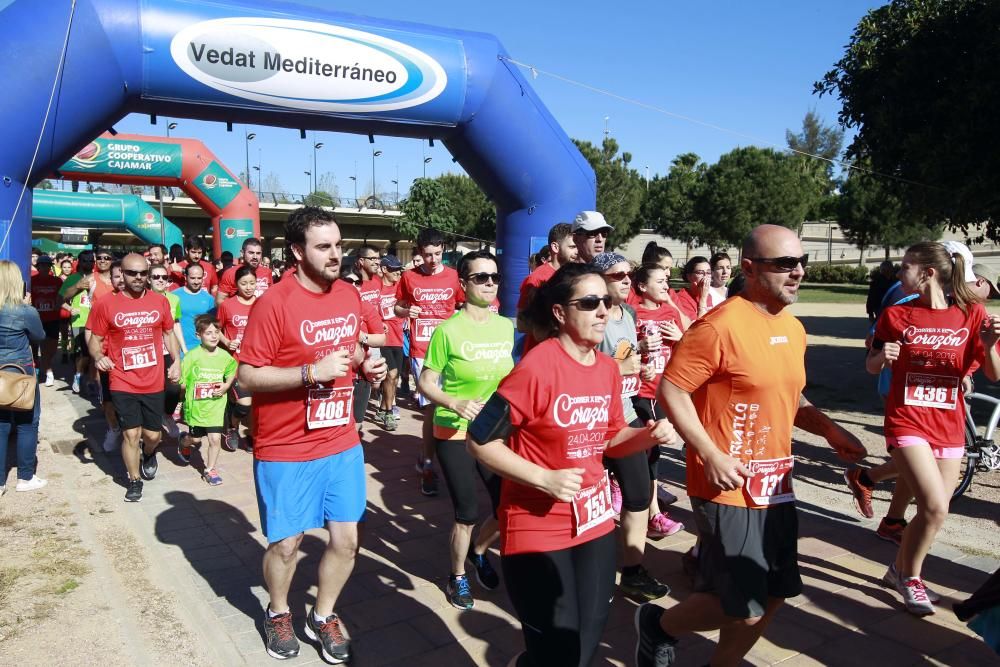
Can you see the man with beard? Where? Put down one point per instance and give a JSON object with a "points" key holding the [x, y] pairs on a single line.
{"points": [[733, 390], [298, 357], [251, 255], [135, 323]]}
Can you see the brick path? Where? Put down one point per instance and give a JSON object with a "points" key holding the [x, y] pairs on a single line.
{"points": [[208, 541]]}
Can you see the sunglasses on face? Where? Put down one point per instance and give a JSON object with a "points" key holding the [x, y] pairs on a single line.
{"points": [[158, 276], [352, 280], [483, 278], [784, 264], [131, 273], [590, 302], [617, 276], [594, 233], [103, 258]]}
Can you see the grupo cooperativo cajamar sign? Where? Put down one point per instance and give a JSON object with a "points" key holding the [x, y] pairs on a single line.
{"points": [[309, 65]]}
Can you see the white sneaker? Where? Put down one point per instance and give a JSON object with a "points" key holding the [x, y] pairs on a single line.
{"points": [[170, 427], [915, 596], [32, 484], [50, 378], [891, 579], [76, 383], [111, 440]]}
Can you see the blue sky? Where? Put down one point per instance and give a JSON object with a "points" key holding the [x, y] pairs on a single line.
{"points": [[748, 67]]}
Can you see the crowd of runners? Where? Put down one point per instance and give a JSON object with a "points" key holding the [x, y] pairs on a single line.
{"points": [[563, 431]]}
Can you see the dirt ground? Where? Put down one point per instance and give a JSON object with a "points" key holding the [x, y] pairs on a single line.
{"points": [[78, 584]]}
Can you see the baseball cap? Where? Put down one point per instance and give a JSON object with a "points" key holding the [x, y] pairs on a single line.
{"points": [[589, 221], [391, 262], [606, 260], [958, 248], [990, 276]]}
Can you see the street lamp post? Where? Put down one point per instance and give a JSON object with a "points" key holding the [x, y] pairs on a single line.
{"points": [[250, 136], [355, 179], [426, 161], [260, 193], [308, 179], [170, 126], [375, 154], [316, 147]]}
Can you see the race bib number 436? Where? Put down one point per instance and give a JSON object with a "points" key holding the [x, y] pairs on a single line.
{"points": [[931, 391], [772, 481]]}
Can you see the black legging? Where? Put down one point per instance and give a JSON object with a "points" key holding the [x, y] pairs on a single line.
{"points": [[632, 473], [562, 599], [362, 392], [646, 409], [459, 469]]}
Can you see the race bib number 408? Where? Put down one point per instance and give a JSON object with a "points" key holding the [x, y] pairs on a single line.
{"points": [[424, 328], [931, 391], [329, 407], [771, 483]]}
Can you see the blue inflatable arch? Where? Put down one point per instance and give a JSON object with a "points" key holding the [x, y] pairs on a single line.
{"points": [[73, 69]]}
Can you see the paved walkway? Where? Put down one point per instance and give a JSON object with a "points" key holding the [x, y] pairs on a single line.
{"points": [[207, 540]]}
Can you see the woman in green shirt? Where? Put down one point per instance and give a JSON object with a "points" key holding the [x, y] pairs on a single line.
{"points": [[468, 355]]}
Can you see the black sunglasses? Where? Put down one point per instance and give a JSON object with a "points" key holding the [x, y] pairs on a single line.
{"points": [[590, 302], [353, 281], [132, 273], [783, 263], [159, 276], [596, 232], [483, 278], [104, 258]]}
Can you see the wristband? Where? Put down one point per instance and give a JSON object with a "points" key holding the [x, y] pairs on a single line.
{"points": [[305, 375], [310, 370]]}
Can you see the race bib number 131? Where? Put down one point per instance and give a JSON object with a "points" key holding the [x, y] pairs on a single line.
{"points": [[772, 481]]}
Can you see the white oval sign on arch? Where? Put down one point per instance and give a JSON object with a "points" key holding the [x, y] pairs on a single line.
{"points": [[307, 65]]}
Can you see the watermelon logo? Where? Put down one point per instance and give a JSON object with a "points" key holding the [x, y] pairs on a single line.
{"points": [[210, 181], [230, 232], [149, 218], [87, 158]]}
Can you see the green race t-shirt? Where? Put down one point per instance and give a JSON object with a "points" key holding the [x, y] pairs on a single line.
{"points": [[201, 371], [175, 305], [472, 358]]}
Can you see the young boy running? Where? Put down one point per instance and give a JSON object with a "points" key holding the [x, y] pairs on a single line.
{"points": [[207, 373]]}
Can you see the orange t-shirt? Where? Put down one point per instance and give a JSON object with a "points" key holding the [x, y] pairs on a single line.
{"points": [[745, 370]]}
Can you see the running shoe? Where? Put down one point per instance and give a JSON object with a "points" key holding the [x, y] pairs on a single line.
{"points": [[212, 477], [32, 484], [231, 440], [642, 586], [148, 466], [280, 636], [390, 422], [891, 532], [915, 596], [380, 416], [653, 646], [110, 443], [421, 462], [459, 593], [891, 579], [170, 426], [50, 378], [616, 495], [76, 383], [184, 452], [395, 412], [133, 493], [336, 647], [661, 526], [428, 480], [664, 497], [862, 494], [248, 443], [485, 574]]}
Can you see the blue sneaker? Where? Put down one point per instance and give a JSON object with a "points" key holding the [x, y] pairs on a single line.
{"points": [[485, 574], [459, 593]]}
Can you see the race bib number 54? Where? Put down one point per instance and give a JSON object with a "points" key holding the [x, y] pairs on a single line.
{"points": [[772, 481], [931, 391], [592, 506]]}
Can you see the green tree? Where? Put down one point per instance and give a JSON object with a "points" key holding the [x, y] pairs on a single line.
{"points": [[426, 206], [751, 186], [474, 214], [918, 82], [320, 198], [824, 142], [620, 190], [870, 214], [670, 206]]}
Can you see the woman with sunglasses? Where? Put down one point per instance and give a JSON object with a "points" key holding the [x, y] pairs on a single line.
{"points": [[546, 432], [234, 313], [159, 282], [467, 357], [631, 476], [931, 344], [659, 324], [697, 297]]}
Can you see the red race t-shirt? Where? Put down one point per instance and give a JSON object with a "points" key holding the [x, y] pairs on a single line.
{"points": [[563, 415], [233, 314], [689, 306], [393, 324], [370, 291], [45, 296], [532, 282], [227, 283], [371, 319], [290, 327], [937, 350], [133, 330], [437, 295], [647, 321]]}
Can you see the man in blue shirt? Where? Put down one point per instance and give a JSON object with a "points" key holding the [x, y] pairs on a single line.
{"points": [[195, 301]]}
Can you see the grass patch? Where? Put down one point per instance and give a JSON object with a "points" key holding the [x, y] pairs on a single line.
{"points": [[814, 293], [8, 579], [7, 521], [67, 586]]}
